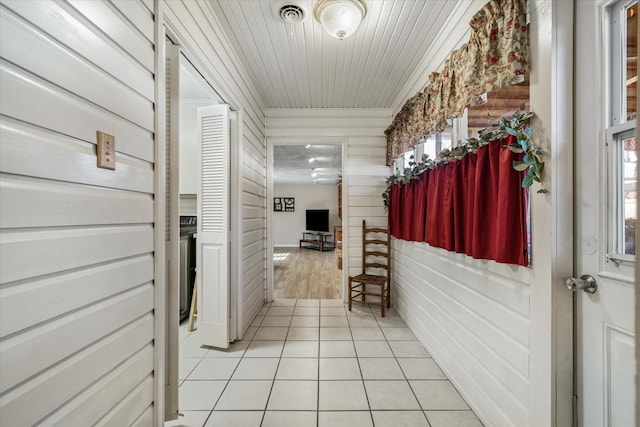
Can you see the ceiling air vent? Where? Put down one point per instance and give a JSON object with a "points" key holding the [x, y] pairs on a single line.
{"points": [[290, 11]]}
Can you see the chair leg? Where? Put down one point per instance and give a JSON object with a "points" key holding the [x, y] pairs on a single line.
{"points": [[364, 288], [382, 300], [388, 294], [350, 293]]}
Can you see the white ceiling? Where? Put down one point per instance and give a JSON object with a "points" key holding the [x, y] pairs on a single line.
{"points": [[291, 164], [311, 69]]}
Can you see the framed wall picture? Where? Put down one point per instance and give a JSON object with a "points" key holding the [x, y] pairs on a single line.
{"points": [[278, 204], [289, 204]]}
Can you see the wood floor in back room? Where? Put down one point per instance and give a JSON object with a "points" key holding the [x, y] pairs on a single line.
{"points": [[306, 273]]}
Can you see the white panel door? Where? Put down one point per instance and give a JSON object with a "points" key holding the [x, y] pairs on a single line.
{"points": [[606, 168], [212, 254]]}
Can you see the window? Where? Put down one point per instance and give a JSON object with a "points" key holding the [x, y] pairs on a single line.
{"points": [[621, 131]]}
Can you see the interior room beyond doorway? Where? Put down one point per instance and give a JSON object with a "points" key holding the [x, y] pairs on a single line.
{"points": [[307, 223]]}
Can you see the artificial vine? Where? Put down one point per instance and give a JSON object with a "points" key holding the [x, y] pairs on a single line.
{"points": [[517, 126]]}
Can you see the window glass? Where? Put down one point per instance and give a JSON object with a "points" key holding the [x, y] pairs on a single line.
{"points": [[622, 128], [631, 53], [627, 159]]}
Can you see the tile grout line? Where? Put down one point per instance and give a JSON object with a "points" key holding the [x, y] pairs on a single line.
{"points": [[360, 368], [273, 383]]}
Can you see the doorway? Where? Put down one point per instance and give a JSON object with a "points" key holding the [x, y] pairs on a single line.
{"points": [[193, 152], [305, 219]]}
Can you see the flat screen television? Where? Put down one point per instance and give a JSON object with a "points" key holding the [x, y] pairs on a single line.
{"points": [[318, 220]]}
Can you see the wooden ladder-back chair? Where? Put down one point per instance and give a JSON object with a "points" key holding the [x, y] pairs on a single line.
{"points": [[378, 257]]}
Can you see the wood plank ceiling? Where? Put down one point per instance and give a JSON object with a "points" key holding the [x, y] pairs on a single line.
{"points": [[300, 66]]}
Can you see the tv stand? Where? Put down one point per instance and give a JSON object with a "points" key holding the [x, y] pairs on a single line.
{"points": [[317, 240]]}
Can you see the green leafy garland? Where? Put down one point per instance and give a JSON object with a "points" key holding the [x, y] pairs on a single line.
{"points": [[517, 126]]}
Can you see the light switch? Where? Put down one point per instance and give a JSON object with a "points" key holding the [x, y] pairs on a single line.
{"points": [[106, 151]]}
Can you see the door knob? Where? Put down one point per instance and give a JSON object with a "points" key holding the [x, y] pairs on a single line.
{"points": [[587, 283]]}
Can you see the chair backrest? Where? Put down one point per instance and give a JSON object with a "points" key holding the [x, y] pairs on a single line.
{"points": [[376, 248]]}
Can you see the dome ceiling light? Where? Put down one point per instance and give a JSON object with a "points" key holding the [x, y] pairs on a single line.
{"points": [[340, 18]]}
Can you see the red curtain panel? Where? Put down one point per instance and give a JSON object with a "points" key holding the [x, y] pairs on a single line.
{"points": [[419, 208], [408, 213], [475, 206], [395, 219]]}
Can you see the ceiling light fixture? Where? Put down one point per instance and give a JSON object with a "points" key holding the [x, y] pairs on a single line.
{"points": [[307, 146], [340, 18], [311, 160]]}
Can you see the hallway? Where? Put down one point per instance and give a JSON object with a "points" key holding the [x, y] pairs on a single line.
{"points": [[314, 363]]}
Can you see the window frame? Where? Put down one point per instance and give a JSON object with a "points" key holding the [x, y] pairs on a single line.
{"points": [[618, 128]]}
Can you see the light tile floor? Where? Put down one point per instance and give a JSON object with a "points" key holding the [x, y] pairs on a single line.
{"points": [[313, 363]]}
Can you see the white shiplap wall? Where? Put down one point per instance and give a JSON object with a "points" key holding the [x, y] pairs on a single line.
{"points": [[362, 130], [478, 318], [473, 317], [76, 242], [195, 27]]}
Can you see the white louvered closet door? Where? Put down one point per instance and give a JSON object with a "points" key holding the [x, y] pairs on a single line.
{"points": [[212, 257]]}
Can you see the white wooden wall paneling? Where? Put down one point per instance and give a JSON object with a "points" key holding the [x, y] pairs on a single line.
{"points": [[326, 115], [511, 292], [486, 331], [253, 211], [60, 23], [469, 379], [31, 99], [498, 383], [65, 380], [122, 32], [366, 181], [75, 330], [513, 357], [108, 391], [373, 161], [77, 241], [101, 89], [69, 204], [63, 249], [253, 224], [138, 12], [47, 298], [370, 191], [500, 316], [253, 159], [378, 152], [126, 411], [253, 175], [145, 419], [364, 201], [251, 187], [252, 199], [337, 122], [66, 159], [325, 132], [252, 236]]}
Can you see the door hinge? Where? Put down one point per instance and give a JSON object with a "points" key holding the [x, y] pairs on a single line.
{"points": [[574, 411]]}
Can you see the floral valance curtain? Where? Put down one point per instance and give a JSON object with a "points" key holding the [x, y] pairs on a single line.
{"points": [[475, 205], [495, 56]]}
